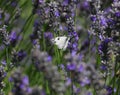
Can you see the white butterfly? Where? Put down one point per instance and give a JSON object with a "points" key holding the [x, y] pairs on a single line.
{"points": [[61, 42]]}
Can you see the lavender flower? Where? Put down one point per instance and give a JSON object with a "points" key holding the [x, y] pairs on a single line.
{"points": [[83, 73], [54, 15], [17, 57], [109, 90], [74, 42], [20, 83], [91, 62], [43, 63], [4, 35], [4, 17], [105, 26], [13, 38], [37, 91], [48, 35], [2, 76]]}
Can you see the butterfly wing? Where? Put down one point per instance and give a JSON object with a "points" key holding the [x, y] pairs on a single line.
{"points": [[66, 44], [61, 42]]}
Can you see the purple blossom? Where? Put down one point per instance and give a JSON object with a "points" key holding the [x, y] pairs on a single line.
{"points": [[57, 14], [93, 18], [21, 54], [13, 38], [76, 90], [14, 4], [109, 90], [68, 82], [3, 74], [71, 66], [0, 16], [41, 1], [103, 47], [48, 35], [49, 59], [13, 35], [85, 81], [117, 14], [50, 71], [103, 21], [65, 2], [33, 36], [103, 67], [81, 68], [21, 83], [86, 5], [4, 62], [25, 80]]}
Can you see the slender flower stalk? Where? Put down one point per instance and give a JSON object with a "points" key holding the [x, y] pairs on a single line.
{"points": [[4, 35], [2, 77]]}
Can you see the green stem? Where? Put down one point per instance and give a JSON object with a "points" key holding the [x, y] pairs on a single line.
{"points": [[114, 78], [7, 57], [24, 27], [72, 93]]}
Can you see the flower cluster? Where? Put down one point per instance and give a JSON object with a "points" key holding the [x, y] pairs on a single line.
{"points": [[2, 76], [43, 63], [16, 58], [105, 23], [86, 59], [4, 36], [58, 17], [21, 85], [85, 74], [4, 17]]}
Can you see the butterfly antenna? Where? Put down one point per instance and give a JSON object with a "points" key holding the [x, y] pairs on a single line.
{"points": [[70, 37]]}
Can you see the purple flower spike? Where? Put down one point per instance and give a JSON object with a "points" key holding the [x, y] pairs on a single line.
{"points": [[48, 35], [81, 68], [0, 16], [93, 18], [65, 2], [3, 62], [41, 1], [13, 38], [85, 81], [49, 58], [25, 80], [68, 82], [103, 21], [71, 66], [29, 90], [14, 4], [103, 67], [89, 93], [86, 5], [13, 35], [57, 14], [117, 14], [109, 90], [104, 46], [10, 79], [21, 54]]}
